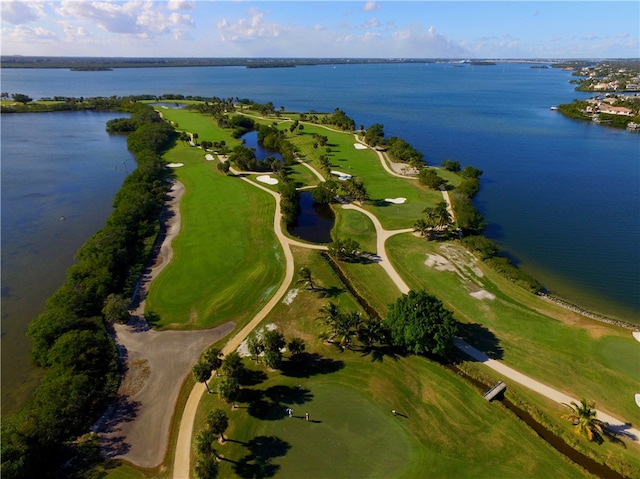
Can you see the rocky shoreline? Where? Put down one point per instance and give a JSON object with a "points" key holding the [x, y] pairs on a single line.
{"points": [[588, 314]]}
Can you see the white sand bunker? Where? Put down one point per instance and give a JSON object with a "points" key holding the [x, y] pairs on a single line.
{"points": [[359, 146], [636, 334], [483, 294], [341, 176], [438, 262], [175, 165], [397, 201], [269, 180], [290, 296], [209, 157]]}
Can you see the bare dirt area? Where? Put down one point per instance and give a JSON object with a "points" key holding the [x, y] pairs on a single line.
{"points": [[136, 427]]}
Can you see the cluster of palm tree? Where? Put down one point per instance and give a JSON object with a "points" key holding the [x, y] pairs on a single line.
{"points": [[229, 369], [344, 327], [269, 345], [437, 221], [207, 457]]}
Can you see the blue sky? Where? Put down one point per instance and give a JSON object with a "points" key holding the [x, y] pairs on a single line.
{"points": [[371, 29]]}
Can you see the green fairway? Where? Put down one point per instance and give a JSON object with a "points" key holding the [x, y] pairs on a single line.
{"points": [[227, 261]]}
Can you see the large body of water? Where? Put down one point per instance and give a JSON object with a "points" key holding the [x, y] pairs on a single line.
{"points": [[562, 197], [60, 172]]}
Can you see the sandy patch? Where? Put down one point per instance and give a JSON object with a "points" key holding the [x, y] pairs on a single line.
{"points": [[462, 258], [341, 176], [175, 165], [440, 263], [397, 201], [268, 179], [243, 349], [636, 334], [359, 146], [291, 295], [209, 157], [483, 294]]}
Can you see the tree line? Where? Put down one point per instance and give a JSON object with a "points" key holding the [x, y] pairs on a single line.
{"points": [[47, 438]]}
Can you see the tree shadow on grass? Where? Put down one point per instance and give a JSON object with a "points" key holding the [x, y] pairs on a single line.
{"points": [[330, 292], [271, 404], [252, 377], [261, 451], [310, 364], [482, 338], [379, 352]]}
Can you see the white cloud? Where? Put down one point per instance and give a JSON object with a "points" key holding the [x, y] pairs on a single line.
{"points": [[24, 34], [246, 29], [181, 5], [370, 23], [145, 19], [370, 7], [17, 13]]}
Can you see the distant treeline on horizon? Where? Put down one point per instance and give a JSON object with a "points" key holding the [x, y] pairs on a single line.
{"points": [[105, 63]]}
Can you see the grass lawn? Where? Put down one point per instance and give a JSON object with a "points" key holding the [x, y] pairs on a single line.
{"points": [[580, 357], [194, 122], [365, 165], [446, 428], [227, 260]]}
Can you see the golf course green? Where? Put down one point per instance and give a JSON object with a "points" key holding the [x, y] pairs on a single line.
{"points": [[228, 263]]}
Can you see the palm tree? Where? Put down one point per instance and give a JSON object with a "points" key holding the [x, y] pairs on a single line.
{"points": [[202, 373], [296, 346], [441, 213], [329, 313], [583, 417], [218, 421], [304, 277], [212, 358]]}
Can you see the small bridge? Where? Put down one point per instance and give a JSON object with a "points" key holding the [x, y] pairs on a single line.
{"points": [[494, 391]]}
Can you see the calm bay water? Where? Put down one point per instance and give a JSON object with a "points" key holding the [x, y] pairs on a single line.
{"points": [[60, 172], [562, 197]]}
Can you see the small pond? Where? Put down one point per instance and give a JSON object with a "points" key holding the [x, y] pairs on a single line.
{"points": [[315, 221], [251, 140]]}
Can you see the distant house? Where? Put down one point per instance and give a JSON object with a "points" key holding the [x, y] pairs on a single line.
{"points": [[614, 110]]}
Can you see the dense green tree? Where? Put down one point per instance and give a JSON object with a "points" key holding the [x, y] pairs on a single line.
{"points": [[429, 177], [451, 165], [325, 192], [344, 249], [116, 309], [481, 245], [470, 172], [374, 135], [419, 323], [353, 189], [401, 151], [21, 98]]}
